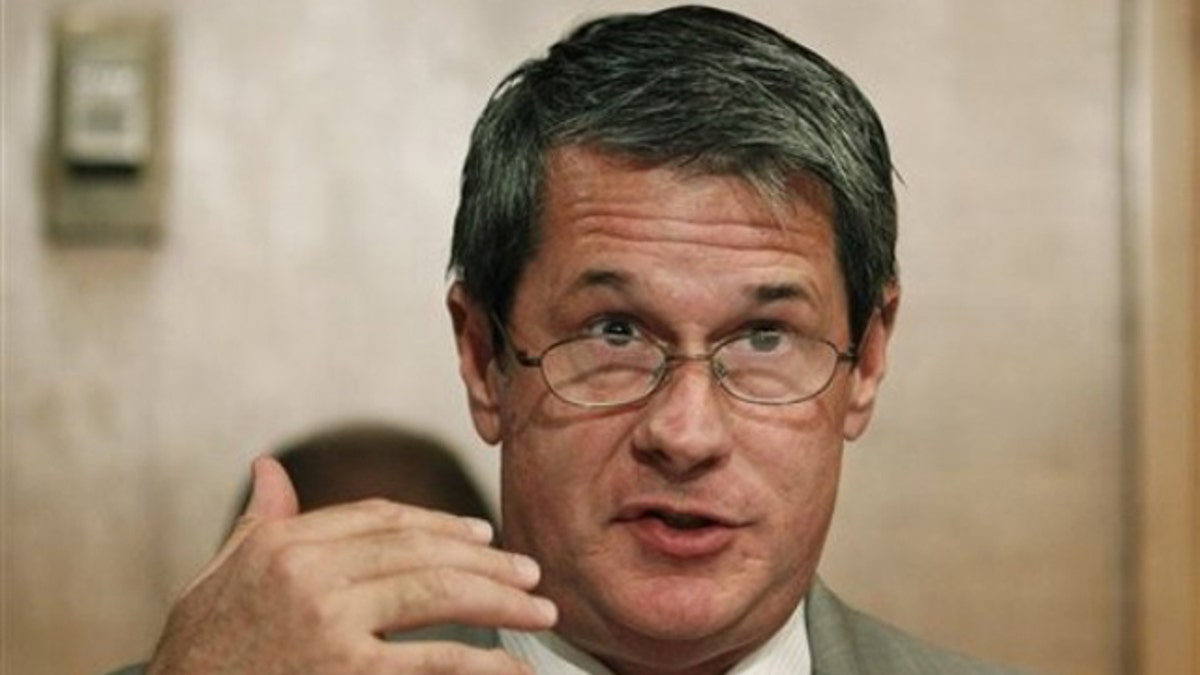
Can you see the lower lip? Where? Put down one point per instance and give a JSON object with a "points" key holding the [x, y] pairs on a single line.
{"points": [[655, 535]]}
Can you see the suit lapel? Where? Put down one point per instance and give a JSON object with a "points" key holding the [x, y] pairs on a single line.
{"points": [[830, 636]]}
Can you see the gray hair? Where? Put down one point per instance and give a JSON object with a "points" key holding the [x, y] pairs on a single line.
{"points": [[693, 88]]}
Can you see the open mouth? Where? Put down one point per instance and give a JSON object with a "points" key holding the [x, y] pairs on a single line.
{"points": [[679, 534], [681, 521]]}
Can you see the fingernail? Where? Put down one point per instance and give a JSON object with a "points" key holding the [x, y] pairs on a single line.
{"points": [[547, 609], [527, 569], [480, 529]]}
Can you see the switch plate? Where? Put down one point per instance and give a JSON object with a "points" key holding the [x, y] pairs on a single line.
{"points": [[106, 104], [106, 163]]}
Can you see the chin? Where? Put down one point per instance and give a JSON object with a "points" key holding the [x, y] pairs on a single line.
{"points": [[671, 640], [679, 624], [666, 614], [679, 611]]}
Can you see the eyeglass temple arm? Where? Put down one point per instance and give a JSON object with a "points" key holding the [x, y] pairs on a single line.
{"points": [[520, 355], [854, 352]]}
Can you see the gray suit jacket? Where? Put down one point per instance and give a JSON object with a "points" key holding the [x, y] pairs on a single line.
{"points": [[842, 641]]}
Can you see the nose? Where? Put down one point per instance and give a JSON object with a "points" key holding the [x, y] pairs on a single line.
{"points": [[684, 429]]}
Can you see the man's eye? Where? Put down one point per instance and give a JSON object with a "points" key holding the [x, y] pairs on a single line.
{"points": [[764, 339], [616, 331]]}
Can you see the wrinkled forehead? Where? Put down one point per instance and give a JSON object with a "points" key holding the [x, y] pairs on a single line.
{"points": [[595, 202], [678, 249], [575, 171]]}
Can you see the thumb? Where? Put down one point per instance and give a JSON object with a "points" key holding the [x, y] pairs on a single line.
{"points": [[272, 497]]}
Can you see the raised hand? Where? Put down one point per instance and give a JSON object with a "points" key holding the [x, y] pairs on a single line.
{"points": [[294, 593]]}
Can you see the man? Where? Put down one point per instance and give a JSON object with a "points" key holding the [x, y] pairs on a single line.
{"points": [[675, 286]]}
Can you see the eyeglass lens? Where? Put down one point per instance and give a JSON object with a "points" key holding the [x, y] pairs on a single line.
{"points": [[603, 370]]}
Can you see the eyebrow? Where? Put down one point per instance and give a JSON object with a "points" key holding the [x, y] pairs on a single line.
{"points": [[767, 293], [605, 278]]}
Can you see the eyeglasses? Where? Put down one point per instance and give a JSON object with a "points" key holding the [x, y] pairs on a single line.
{"points": [[769, 366]]}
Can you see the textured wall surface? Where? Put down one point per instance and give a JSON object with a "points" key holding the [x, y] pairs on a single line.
{"points": [[314, 151]]}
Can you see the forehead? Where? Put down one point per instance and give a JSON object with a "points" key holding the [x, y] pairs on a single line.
{"points": [[703, 236], [590, 196]]}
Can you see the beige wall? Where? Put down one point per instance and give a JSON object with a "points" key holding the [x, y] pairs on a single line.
{"points": [[314, 155]]}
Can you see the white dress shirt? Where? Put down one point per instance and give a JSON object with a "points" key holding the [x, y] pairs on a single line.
{"points": [[786, 653]]}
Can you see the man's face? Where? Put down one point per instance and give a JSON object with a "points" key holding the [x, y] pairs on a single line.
{"points": [[681, 531]]}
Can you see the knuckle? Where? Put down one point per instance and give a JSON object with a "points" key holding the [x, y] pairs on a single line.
{"points": [[381, 509], [291, 564], [342, 656], [318, 610], [441, 584], [414, 540], [388, 513], [437, 592], [377, 505]]}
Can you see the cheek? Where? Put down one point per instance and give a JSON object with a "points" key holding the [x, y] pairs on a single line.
{"points": [[555, 473], [808, 497], [529, 491], [556, 444], [802, 494], [796, 460]]}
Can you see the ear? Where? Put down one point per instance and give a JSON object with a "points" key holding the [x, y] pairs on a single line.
{"points": [[871, 366], [477, 363]]}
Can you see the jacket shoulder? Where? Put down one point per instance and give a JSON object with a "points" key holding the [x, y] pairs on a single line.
{"points": [[845, 641]]}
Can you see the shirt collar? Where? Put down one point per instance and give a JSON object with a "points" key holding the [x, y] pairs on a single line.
{"points": [[785, 653]]}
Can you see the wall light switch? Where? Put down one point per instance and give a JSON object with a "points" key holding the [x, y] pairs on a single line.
{"points": [[106, 164], [106, 102]]}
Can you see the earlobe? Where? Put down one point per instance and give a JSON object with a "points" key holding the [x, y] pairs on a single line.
{"points": [[476, 361], [871, 366]]}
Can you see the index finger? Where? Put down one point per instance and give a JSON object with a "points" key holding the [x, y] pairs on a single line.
{"points": [[373, 516]]}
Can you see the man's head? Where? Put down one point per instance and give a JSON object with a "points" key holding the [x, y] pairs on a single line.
{"points": [[676, 286], [698, 89]]}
